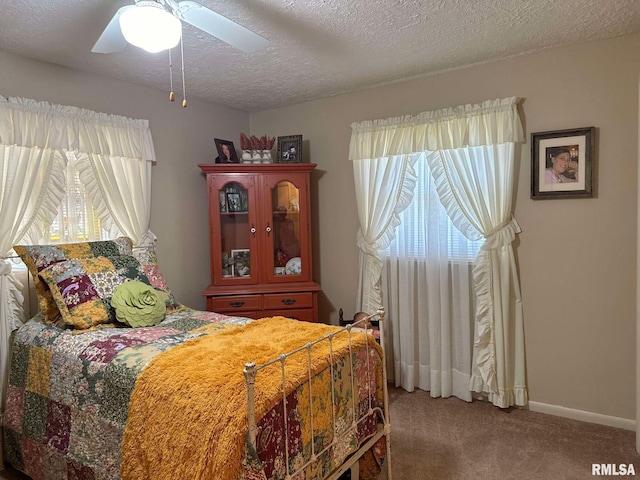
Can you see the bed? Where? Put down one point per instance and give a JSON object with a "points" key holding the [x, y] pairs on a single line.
{"points": [[197, 395]]}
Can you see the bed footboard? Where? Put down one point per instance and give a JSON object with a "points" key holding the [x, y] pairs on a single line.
{"points": [[362, 417]]}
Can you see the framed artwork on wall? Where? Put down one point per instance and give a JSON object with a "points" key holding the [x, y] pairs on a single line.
{"points": [[290, 149], [562, 163]]}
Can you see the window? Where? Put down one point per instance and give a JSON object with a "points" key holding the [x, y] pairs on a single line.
{"points": [[77, 219], [426, 222]]}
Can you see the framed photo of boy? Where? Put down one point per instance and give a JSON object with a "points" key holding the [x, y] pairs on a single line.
{"points": [[562, 163], [226, 151], [290, 149]]}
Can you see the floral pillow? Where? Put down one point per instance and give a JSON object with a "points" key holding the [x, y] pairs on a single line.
{"points": [[39, 257], [82, 288]]}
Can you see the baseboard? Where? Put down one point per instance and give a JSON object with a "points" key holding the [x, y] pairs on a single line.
{"points": [[584, 416]]}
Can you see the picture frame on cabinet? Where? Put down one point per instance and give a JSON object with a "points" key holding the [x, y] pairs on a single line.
{"points": [[241, 262], [226, 151], [227, 265], [562, 163], [290, 149], [234, 203], [223, 202]]}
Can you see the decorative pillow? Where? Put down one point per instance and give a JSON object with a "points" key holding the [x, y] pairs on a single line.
{"points": [[82, 287], [39, 257], [138, 304], [145, 256]]}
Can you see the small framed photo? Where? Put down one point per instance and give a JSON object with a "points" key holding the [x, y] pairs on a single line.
{"points": [[290, 149], [223, 202], [241, 262], [562, 163], [234, 203], [226, 151]]}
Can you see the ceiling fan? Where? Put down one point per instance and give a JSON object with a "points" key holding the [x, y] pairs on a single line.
{"points": [[130, 23]]}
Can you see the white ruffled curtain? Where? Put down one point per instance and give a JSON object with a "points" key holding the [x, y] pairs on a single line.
{"points": [[476, 186], [384, 187], [479, 202], [120, 190], [34, 137]]}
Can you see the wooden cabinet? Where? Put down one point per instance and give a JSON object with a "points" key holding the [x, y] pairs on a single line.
{"points": [[260, 240]]}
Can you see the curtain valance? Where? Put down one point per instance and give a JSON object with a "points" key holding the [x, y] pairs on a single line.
{"points": [[29, 123], [492, 122]]}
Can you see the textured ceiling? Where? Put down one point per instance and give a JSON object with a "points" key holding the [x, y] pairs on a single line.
{"points": [[318, 48]]}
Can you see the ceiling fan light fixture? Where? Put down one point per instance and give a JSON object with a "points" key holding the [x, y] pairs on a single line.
{"points": [[149, 26]]}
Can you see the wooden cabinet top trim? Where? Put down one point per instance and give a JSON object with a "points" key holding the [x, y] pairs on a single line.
{"points": [[256, 168]]}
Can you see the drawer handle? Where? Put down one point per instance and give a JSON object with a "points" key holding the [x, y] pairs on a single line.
{"points": [[288, 301], [236, 304]]}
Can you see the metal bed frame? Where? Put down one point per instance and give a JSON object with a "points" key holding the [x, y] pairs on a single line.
{"points": [[351, 462]]}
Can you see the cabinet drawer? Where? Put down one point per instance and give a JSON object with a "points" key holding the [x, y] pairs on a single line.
{"points": [[234, 303], [251, 314], [305, 315], [288, 300]]}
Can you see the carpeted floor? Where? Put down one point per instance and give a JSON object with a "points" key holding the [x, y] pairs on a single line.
{"points": [[452, 439], [448, 439]]}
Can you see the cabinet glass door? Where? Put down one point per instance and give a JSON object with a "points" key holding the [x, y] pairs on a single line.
{"points": [[235, 232], [285, 208]]}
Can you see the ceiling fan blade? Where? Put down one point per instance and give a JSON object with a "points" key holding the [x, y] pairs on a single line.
{"points": [[221, 27], [112, 39]]}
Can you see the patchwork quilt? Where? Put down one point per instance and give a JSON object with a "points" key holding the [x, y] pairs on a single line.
{"points": [[69, 396]]}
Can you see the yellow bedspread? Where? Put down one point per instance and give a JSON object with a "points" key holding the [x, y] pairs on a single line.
{"points": [[188, 412]]}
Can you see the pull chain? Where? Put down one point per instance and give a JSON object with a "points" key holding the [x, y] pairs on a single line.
{"points": [[172, 96], [184, 89]]}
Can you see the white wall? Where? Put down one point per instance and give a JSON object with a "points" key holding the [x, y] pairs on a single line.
{"points": [[577, 257], [183, 137]]}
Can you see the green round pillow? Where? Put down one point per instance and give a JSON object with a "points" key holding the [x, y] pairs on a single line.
{"points": [[138, 304]]}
